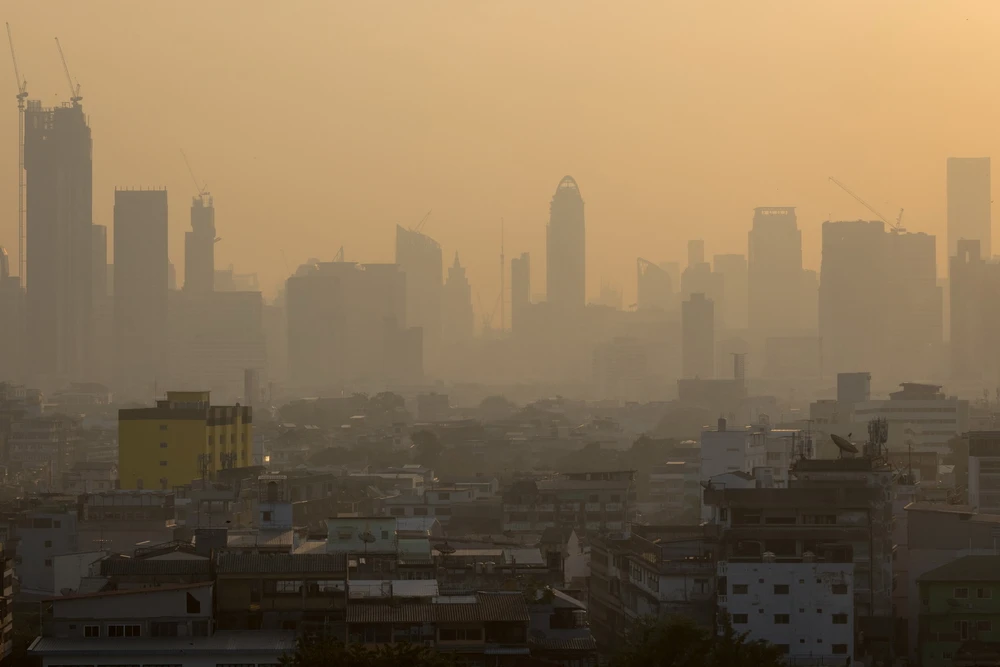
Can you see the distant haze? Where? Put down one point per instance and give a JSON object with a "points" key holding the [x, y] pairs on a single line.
{"points": [[324, 123]]}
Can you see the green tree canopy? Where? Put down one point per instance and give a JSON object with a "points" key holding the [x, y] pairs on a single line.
{"points": [[676, 641], [426, 448], [328, 652]]}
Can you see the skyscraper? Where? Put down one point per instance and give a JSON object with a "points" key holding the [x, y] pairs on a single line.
{"points": [[59, 171], [457, 305], [852, 296], [969, 203], [971, 346], [199, 246], [419, 256], [566, 248], [141, 283], [654, 290], [733, 272], [520, 291], [698, 337], [11, 323], [774, 272]]}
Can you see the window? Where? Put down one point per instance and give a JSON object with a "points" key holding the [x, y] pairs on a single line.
{"points": [[265, 516], [397, 511], [442, 511], [781, 589], [444, 495], [740, 589], [385, 534], [163, 463], [48, 562], [91, 631], [419, 511], [125, 630], [163, 445], [162, 629], [193, 604], [741, 619], [961, 593], [48, 544], [163, 427], [199, 628], [781, 619], [839, 589], [984, 626], [286, 586], [840, 619], [616, 498], [57, 524], [984, 593], [461, 634], [962, 627], [839, 649]]}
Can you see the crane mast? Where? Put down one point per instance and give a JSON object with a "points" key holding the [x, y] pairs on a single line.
{"points": [[895, 227], [22, 95]]}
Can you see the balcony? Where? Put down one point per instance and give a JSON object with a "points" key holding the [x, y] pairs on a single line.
{"points": [[593, 507], [613, 507]]}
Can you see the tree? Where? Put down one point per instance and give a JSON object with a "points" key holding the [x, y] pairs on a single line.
{"points": [[427, 448], [326, 652], [676, 641]]}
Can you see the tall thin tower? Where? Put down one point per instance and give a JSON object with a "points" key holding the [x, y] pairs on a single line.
{"points": [[22, 95]]}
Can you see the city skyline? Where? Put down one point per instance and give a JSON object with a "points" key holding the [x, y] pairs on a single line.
{"points": [[258, 188]]}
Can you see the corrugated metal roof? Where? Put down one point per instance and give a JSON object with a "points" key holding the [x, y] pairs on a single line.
{"points": [[568, 644], [116, 567], [488, 607], [277, 643], [236, 563]]}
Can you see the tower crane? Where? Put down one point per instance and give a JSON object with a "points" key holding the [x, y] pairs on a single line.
{"points": [[74, 91], [202, 189], [22, 95], [423, 220], [895, 227]]}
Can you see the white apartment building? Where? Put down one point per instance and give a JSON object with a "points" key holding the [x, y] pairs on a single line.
{"points": [[922, 414], [805, 608], [729, 451], [984, 471]]}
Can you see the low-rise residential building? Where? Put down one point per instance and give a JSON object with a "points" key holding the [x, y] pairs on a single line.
{"points": [[437, 502], [90, 477], [804, 607], [45, 444], [169, 625], [959, 607], [591, 501]]}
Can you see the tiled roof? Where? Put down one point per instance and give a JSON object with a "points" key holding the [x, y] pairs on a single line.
{"points": [[970, 569], [237, 563], [265, 643], [111, 567], [130, 591], [488, 607], [569, 644]]}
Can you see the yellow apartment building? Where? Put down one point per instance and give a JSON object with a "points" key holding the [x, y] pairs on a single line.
{"points": [[183, 438]]}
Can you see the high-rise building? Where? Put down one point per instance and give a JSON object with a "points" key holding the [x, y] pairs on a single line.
{"points": [[852, 296], [102, 309], [457, 305], [969, 203], [419, 257], [141, 286], [972, 359], [698, 337], [913, 305], [566, 248], [698, 277], [57, 162], [733, 272], [774, 272], [11, 323], [520, 291], [199, 246], [345, 327], [99, 264], [654, 289]]}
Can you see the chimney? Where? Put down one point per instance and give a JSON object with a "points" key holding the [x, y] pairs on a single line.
{"points": [[722, 424]]}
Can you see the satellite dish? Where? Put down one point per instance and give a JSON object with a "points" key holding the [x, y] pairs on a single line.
{"points": [[843, 444], [367, 537], [445, 549]]}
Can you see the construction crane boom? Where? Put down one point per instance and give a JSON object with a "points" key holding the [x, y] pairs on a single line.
{"points": [[202, 189], [22, 95], [895, 227], [420, 225], [74, 91]]}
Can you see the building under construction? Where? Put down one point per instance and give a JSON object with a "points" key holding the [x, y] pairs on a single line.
{"points": [[199, 246], [58, 168]]}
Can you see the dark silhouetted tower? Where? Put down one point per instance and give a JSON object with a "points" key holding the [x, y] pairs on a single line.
{"points": [[653, 286], [733, 272], [774, 273], [698, 337], [969, 203], [141, 284], [566, 248], [199, 246], [457, 305], [520, 290], [57, 162], [419, 256]]}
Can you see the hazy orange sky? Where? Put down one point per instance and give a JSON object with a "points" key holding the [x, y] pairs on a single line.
{"points": [[324, 123]]}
